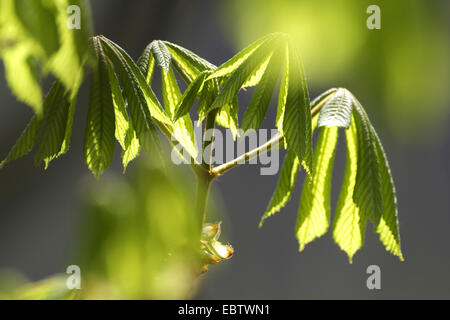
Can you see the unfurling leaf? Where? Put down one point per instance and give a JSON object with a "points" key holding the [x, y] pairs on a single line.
{"points": [[146, 64], [161, 54], [141, 100], [337, 111]]}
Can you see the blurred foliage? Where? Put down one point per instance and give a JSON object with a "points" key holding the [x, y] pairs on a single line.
{"points": [[402, 70], [35, 40], [139, 236], [14, 286], [137, 239]]}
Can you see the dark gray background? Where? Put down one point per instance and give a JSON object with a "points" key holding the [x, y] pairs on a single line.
{"points": [[39, 209]]}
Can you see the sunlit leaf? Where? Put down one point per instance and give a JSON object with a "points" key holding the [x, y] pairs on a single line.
{"points": [[140, 104], [297, 114], [348, 225], [59, 116], [368, 191], [257, 108], [100, 127], [284, 86], [131, 74], [146, 63], [161, 55], [337, 111], [27, 139], [314, 209], [234, 63], [388, 228], [235, 81], [227, 117], [189, 96], [124, 131], [189, 62], [183, 129], [22, 76], [286, 182], [256, 76]]}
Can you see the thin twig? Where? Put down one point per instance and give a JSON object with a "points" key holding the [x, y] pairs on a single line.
{"points": [[276, 141]]}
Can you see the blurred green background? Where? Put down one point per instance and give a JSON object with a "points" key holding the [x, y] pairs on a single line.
{"points": [[400, 74]]}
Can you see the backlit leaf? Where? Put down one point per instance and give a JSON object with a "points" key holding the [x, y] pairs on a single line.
{"points": [[100, 127], [314, 209]]}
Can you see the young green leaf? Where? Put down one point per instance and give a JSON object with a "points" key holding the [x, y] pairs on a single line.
{"points": [[234, 83], [297, 114], [73, 101], [124, 131], [161, 54], [188, 62], [337, 111], [257, 108], [27, 139], [135, 81], [286, 182], [368, 192], [25, 142], [183, 130], [256, 76], [349, 225], [54, 132], [234, 63], [189, 96], [100, 127], [388, 229], [69, 122], [146, 64], [284, 86], [227, 117], [209, 92], [314, 209], [171, 92], [22, 76], [285, 185], [141, 101]]}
